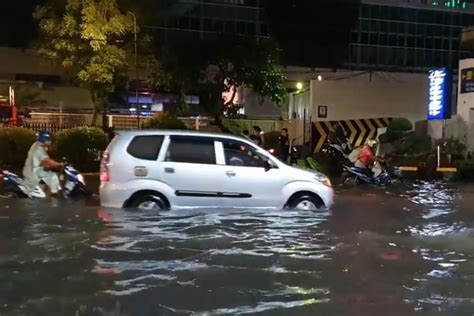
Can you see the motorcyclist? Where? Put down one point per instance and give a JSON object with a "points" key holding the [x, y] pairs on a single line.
{"points": [[38, 166], [284, 145], [338, 136], [258, 135], [366, 157]]}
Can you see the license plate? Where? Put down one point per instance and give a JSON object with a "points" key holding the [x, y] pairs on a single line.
{"points": [[69, 185]]}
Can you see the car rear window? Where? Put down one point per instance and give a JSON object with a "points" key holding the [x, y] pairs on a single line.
{"points": [[145, 147]]}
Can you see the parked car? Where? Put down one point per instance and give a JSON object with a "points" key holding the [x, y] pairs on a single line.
{"points": [[181, 169]]}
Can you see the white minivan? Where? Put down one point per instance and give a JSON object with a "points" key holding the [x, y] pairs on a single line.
{"points": [[181, 169]]}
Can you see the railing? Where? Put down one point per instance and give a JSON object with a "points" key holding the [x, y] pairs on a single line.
{"points": [[51, 128]]}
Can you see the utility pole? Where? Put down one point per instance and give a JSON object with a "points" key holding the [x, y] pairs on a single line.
{"points": [[135, 40]]}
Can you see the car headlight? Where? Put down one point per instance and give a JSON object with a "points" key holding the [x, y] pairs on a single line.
{"points": [[323, 179]]}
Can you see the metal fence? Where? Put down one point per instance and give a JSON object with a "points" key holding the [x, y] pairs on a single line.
{"points": [[51, 128]]}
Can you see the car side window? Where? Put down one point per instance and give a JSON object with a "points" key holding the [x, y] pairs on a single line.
{"points": [[240, 154], [145, 147], [197, 150]]}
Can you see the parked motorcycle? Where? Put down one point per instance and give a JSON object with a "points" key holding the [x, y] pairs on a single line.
{"points": [[13, 186], [337, 155], [381, 175]]}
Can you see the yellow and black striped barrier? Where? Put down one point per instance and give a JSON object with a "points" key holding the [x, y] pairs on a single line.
{"points": [[359, 131]]}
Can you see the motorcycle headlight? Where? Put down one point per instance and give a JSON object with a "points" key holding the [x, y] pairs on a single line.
{"points": [[323, 179]]}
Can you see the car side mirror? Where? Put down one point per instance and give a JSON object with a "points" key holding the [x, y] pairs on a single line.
{"points": [[268, 165]]}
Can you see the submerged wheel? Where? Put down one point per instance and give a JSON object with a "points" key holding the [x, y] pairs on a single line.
{"points": [[10, 195], [348, 178], [306, 202], [11, 192], [149, 202]]}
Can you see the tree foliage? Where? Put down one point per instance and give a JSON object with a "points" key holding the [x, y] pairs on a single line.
{"points": [[210, 67], [164, 121], [85, 37]]}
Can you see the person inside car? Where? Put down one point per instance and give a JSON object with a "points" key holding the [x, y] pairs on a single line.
{"points": [[38, 166]]}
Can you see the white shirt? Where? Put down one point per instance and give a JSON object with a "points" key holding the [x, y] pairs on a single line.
{"points": [[36, 155]]}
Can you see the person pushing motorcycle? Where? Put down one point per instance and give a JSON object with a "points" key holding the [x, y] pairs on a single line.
{"points": [[38, 166]]}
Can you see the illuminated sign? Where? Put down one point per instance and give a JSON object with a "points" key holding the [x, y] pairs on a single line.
{"points": [[467, 80], [439, 99], [452, 4]]}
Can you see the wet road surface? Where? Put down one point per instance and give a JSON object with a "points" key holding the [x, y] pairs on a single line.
{"points": [[403, 252]]}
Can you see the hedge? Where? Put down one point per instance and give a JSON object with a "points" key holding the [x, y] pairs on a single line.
{"points": [[14, 145], [465, 170], [81, 146], [164, 121]]}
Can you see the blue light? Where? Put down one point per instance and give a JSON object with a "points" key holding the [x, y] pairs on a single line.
{"points": [[439, 99]]}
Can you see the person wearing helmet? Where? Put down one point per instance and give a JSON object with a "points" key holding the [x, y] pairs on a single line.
{"points": [[366, 156], [38, 166]]}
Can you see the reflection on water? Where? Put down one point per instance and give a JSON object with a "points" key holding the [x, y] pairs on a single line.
{"points": [[378, 252]]}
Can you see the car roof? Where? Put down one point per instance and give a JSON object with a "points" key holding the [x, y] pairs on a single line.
{"points": [[178, 133]]}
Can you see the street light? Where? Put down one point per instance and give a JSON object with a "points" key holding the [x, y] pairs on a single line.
{"points": [[136, 65], [299, 86]]}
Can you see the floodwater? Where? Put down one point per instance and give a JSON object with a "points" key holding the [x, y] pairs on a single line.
{"points": [[377, 252]]}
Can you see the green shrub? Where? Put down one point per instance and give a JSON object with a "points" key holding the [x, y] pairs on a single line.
{"points": [[452, 147], [14, 145], [80, 146], [164, 121], [465, 170], [236, 127], [413, 145], [397, 128]]}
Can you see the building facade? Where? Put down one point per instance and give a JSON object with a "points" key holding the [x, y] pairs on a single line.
{"points": [[409, 35], [207, 17]]}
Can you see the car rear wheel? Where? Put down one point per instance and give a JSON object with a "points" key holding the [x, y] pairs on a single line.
{"points": [[149, 202], [306, 202]]}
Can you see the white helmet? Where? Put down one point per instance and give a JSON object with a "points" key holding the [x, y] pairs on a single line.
{"points": [[372, 143]]}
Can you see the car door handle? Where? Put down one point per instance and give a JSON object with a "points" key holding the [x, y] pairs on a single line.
{"points": [[169, 170], [230, 173]]}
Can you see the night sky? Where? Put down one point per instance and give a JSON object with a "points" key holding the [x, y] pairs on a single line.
{"points": [[307, 30], [17, 27]]}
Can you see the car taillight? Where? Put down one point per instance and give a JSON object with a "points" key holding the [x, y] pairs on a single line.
{"points": [[2, 177], [104, 169]]}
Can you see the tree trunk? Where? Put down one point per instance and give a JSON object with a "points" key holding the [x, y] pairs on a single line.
{"points": [[95, 114]]}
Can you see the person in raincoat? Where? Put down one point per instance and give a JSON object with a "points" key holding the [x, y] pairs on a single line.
{"points": [[38, 166]]}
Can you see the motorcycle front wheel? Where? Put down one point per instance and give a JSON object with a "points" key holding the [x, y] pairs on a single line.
{"points": [[348, 178]]}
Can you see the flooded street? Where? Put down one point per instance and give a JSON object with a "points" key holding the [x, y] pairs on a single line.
{"points": [[403, 252]]}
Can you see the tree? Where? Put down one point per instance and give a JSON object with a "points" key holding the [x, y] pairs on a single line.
{"points": [[83, 37], [210, 67]]}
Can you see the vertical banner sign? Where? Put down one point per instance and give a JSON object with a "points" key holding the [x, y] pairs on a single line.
{"points": [[467, 80], [439, 99]]}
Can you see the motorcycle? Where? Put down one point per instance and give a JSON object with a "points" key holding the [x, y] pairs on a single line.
{"points": [[13, 186], [293, 156], [382, 175], [337, 155]]}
